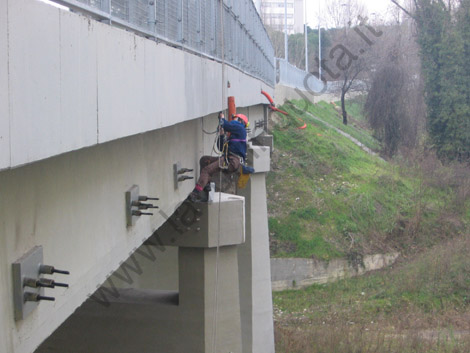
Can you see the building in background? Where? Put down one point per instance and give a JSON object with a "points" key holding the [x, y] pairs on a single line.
{"points": [[272, 13]]}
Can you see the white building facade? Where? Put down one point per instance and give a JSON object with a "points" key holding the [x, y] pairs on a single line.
{"points": [[273, 14]]}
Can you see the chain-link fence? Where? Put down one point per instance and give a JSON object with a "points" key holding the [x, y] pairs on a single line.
{"points": [[195, 25], [291, 76]]}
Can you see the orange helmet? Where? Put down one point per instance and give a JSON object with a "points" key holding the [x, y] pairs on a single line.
{"points": [[244, 118]]}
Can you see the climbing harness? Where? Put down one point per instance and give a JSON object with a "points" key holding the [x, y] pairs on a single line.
{"points": [[244, 171], [224, 162]]}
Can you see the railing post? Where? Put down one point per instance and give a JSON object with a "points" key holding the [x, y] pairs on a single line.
{"points": [[106, 6], [180, 20], [152, 16], [199, 25], [167, 14], [131, 14], [214, 27], [184, 23]]}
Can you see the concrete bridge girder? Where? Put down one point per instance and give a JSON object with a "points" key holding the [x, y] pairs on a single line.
{"points": [[70, 82]]}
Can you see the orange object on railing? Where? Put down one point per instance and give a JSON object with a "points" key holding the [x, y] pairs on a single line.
{"points": [[232, 109]]}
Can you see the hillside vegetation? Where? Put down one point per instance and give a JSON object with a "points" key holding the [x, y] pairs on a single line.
{"points": [[329, 198]]}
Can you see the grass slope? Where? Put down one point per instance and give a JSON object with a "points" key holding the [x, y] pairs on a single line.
{"points": [[328, 198]]}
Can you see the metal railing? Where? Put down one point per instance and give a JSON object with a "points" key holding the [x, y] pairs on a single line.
{"points": [[194, 25], [291, 76]]}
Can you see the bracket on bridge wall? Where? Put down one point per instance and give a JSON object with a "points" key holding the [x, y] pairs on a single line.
{"points": [[135, 205], [29, 283], [178, 172]]}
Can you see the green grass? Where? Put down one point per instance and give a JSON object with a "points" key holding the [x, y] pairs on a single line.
{"points": [[430, 284], [327, 197], [354, 107], [392, 310], [357, 126]]}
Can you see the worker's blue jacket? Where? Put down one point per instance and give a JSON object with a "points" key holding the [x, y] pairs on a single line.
{"points": [[237, 139]]}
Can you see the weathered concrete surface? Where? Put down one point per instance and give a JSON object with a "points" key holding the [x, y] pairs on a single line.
{"points": [[186, 227], [259, 158], [73, 205], [6, 305], [4, 91], [291, 273], [74, 82], [266, 141]]}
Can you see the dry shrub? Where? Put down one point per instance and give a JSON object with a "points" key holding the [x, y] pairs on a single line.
{"points": [[439, 279], [427, 166], [461, 183], [325, 339], [352, 339], [433, 217]]}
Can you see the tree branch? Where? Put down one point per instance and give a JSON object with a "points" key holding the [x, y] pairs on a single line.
{"points": [[403, 9]]}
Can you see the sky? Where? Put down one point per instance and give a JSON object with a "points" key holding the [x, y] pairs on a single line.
{"points": [[378, 7]]}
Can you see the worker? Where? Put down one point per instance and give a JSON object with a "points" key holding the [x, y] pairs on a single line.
{"points": [[233, 154]]}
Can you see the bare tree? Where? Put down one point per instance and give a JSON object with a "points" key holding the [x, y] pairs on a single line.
{"points": [[345, 13], [395, 105], [347, 56], [350, 59]]}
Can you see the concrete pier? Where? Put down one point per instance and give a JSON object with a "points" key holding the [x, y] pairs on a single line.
{"points": [[253, 260]]}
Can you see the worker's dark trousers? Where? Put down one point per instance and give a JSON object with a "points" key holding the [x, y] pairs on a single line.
{"points": [[210, 166]]}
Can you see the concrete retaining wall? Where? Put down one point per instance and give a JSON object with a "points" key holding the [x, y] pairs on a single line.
{"points": [[298, 273]]}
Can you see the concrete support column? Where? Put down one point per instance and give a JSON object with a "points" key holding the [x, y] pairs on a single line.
{"points": [[198, 303], [254, 260]]}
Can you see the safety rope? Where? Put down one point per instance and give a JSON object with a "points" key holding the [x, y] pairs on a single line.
{"points": [[208, 132], [216, 288]]}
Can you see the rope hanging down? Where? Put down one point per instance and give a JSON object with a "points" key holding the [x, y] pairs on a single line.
{"points": [[216, 287]]}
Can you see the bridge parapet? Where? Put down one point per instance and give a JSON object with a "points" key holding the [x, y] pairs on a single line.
{"points": [[291, 76], [194, 25]]}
